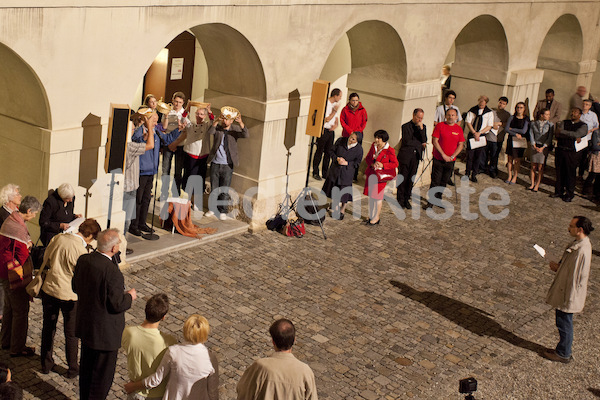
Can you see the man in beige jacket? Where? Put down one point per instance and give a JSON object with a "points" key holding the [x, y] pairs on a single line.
{"points": [[569, 288]]}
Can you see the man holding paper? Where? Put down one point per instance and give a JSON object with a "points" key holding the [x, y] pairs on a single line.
{"points": [[568, 135], [569, 288], [480, 119]]}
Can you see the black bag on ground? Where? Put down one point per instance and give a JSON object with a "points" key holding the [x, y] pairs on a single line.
{"points": [[309, 212], [277, 223]]}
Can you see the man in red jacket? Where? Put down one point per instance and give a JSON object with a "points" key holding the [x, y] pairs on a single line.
{"points": [[353, 116]]}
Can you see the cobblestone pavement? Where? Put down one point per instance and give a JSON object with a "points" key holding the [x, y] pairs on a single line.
{"points": [[402, 310]]}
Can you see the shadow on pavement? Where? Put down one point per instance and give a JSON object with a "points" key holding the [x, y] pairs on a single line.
{"points": [[468, 317], [595, 392]]}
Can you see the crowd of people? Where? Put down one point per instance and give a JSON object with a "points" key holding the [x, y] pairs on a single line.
{"points": [[86, 286], [480, 138]]}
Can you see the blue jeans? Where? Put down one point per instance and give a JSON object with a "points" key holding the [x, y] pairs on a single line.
{"points": [[564, 323], [220, 176]]}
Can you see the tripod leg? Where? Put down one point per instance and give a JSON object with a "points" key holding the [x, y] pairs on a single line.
{"points": [[318, 219]]}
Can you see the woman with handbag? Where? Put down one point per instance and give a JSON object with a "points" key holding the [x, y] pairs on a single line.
{"points": [[15, 274], [346, 155], [540, 138], [517, 127], [381, 168], [57, 293]]}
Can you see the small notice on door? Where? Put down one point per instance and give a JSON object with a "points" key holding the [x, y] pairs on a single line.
{"points": [[176, 69]]}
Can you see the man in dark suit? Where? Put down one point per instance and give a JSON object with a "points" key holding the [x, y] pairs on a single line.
{"points": [[414, 140], [100, 287]]}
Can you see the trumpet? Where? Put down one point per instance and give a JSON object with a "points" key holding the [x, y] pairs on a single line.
{"points": [[162, 107]]}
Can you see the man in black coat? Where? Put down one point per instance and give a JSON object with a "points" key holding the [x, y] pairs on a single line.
{"points": [[100, 287], [414, 140]]}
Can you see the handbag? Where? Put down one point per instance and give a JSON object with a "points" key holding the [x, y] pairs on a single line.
{"points": [[383, 176], [35, 286], [295, 228], [19, 275]]}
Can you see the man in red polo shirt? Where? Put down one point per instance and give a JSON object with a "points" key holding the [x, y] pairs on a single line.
{"points": [[448, 141]]}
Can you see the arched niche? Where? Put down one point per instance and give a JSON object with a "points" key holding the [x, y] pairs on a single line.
{"points": [[559, 57], [480, 61], [370, 59], [25, 120], [22, 96]]}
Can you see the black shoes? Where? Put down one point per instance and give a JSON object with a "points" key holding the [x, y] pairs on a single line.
{"points": [[317, 177], [145, 228], [135, 231], [555, 195], [128, 252], [567, 199], [407, 205], [473, 178]]}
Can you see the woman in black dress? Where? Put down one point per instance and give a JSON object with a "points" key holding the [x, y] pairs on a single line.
{"points": [[517, 128], [347, 155]]}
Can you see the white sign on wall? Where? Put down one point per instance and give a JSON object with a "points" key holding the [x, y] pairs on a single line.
{"points": [[176, 69]]}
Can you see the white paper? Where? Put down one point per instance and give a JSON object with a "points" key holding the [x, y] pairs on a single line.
{"points": [[176, 69], [581, 145], [74, 225], [540, 250], [177, 200], [519, 143], [475, 144]]}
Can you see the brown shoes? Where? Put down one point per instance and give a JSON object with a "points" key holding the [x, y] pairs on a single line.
{"points": [[552, 356]]}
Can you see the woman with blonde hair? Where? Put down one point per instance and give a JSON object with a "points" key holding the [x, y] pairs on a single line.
{"points": [[191, 368]]}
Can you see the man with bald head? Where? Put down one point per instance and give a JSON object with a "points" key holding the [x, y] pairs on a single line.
{"points": [[577, 98], [280, 376], [101, 306]]}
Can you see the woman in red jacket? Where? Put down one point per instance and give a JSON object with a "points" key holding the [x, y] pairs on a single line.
{"points": [[354, 116], [381, 168], [15, 243]]}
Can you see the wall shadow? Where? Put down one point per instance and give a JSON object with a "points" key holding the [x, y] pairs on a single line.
{"points": [[468, 317]]}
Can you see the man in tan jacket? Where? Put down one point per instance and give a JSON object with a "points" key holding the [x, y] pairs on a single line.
{"points": [[569, 288]]}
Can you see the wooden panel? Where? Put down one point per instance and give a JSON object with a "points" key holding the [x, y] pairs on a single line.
{"points": [[155, 80], [316, 111]]}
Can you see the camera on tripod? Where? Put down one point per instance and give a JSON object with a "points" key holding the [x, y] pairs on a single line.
{"points": [[468, 386]]}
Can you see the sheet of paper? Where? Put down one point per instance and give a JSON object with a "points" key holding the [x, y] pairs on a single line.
{"points": [[519, 143], [581, 145], [540, 250], [74, 225], [475, 144]]}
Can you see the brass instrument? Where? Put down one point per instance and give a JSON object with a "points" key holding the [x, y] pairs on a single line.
{"points": [[162, 107]]}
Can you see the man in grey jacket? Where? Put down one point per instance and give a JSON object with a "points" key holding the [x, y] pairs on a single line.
{"points": [[223, 156], [569, 288]]}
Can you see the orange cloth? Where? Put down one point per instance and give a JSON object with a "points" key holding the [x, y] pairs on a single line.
{"points": [[180, 215]]}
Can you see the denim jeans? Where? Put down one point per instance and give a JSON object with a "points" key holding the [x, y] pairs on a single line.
{"points": [[220, 177], [564, 323]]}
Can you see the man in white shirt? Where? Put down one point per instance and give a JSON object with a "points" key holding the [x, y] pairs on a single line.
{"points": [[325, 142], [170, 123], [479, 121], [440, 111], [591, 120]]}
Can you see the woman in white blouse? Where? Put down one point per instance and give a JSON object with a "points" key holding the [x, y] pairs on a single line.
{"points": [[191, 369]]}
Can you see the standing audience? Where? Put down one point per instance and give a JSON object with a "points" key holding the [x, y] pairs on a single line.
{"points": [[412, 145], [100, 287], [57, 293], [479, 121], [553, 106], [517, 128], [57, 212], [145, 347], [191, 369], [541, 133], [15, 243]]}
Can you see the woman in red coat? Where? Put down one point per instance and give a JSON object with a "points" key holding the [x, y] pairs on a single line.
{"points": [[381, 168]]}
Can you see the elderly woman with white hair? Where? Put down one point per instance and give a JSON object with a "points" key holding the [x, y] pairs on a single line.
{"points": [[10, 199], [57, 212]]}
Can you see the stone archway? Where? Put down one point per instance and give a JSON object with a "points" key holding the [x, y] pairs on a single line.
{"points": [[370, 59], [559, 57], [479, 60], [26, 120]]}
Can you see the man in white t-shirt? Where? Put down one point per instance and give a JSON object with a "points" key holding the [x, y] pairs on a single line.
{"points": [[479, 121], [170, 123], [325, 142], [145, 346]]}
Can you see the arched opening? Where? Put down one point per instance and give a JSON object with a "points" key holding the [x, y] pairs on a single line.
{"points": [[479, 61], [213, 63], [370, 60], [559, 57], [25, 120]]}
